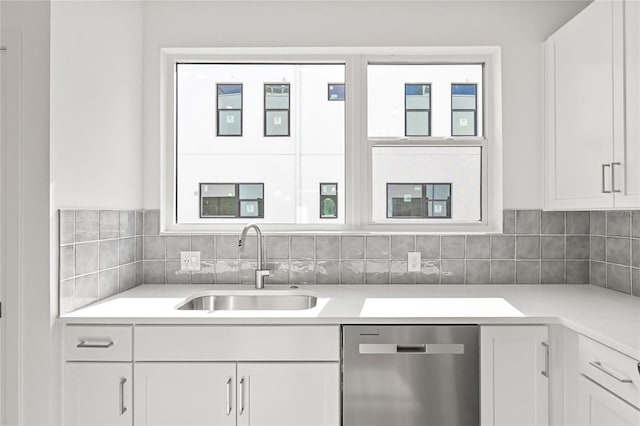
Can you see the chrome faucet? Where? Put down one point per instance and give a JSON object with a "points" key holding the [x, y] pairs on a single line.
{"points": [[261, 272]]}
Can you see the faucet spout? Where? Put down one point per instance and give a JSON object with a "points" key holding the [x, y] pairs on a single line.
{"points": [[261, 272]]}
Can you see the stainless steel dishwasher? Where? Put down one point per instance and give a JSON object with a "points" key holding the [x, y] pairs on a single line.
{"points": [[411, 375]]}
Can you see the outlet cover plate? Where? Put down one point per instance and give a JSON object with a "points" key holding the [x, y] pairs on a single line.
{"points": [[413, 261], [189, 260]]}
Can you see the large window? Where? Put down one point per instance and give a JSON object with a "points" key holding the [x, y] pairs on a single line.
{"points": [[288, 137], [428, 146], [350, 140]]}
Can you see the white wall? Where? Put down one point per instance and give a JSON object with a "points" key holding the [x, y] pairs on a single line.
{"points": [[518, 26], [28, 385], [96, 104], [95, 160]]}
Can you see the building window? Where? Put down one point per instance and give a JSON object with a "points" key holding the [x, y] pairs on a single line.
{"points": [[232, 200], [229, 106], [464, 108], [438, 200], [328, 200], [276, 109], [419, 200], [335, 92], [417, 109]]}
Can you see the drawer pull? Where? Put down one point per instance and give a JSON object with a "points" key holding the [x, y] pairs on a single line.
{"points": [[123, 408], [599, 366], [545, 372], [85, 344]]}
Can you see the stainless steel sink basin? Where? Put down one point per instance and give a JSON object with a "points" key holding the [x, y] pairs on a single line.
{"points": [[249, 302]]}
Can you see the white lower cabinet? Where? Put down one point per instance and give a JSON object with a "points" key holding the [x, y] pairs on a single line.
{"points": [[184, 393], [599, 407], [288, 394], [98, 393], [514, 370], [225, 394]]}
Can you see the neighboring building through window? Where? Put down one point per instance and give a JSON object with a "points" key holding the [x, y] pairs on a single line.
{"points": [[287, 136], [415, 101], [273, 142]]}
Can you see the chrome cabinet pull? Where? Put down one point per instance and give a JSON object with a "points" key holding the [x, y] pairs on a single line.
{"points": [[123, 408], [228, 396], [85, 344], [604, 166], [599, 366], [613, 177], [241, 396], [545, 372]]}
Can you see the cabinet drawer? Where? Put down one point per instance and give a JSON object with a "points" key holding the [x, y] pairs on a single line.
{"points": [[237, 343], [611, 369], [98, 343]]}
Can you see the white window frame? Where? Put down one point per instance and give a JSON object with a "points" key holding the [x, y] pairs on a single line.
{"points": [[357, 209]]}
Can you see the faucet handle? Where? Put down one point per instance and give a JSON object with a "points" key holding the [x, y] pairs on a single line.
{"points": [[263, 272]]}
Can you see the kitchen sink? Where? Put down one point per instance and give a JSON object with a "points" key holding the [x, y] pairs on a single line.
{"points": [[248, 302]]}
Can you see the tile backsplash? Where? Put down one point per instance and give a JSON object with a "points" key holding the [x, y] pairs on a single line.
{"points": [[105, 252], [100, 255], [615, 250]]}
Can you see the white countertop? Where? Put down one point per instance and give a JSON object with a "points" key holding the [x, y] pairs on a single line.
{"points": [[607, 316]]}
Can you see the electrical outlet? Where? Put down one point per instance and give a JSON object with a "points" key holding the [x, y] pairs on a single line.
{"points": [[189, 260], [414, 261]]}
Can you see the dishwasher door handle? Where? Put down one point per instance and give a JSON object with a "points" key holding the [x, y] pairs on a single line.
{"points": [[423, 349]]}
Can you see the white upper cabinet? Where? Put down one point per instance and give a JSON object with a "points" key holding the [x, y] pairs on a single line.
{"points": [[629, 153], [592, 158]]}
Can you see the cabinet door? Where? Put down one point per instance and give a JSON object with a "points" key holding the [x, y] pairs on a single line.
{"points": [[599, 407], [184, 394], [579, 110], [287, 394], [628, 153], [514, 369], [97, 393]]}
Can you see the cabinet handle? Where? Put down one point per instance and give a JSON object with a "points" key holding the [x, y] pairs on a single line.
{"points": [[123, 409], [613, 177], [241, 396], [599, 366], [85, 344], [604, 166], [229, 396], [545, 372]]}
